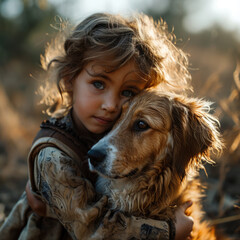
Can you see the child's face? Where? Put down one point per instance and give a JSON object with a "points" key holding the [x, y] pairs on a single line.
{"points": [[98, 96]]}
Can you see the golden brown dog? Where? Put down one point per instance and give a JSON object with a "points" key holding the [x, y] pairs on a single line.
{"points": [[149, 162]]}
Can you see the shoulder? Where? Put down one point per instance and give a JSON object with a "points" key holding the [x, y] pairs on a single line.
{"points": [[56, 138], [53, 157], [63, 133], [51, 154], [52, 163]]}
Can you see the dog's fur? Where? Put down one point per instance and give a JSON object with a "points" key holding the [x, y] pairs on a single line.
{"points": [[149, 162]]}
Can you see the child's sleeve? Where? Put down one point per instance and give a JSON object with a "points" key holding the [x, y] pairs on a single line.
{"points": [[116, 225], [72, 200]]}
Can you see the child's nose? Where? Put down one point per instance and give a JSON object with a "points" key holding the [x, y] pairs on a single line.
{"points": [[110, 103]]}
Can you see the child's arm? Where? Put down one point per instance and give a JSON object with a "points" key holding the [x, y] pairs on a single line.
{"points": [[37, 205], [67, 193], [116, 225], [183, 223], [69, 197]]}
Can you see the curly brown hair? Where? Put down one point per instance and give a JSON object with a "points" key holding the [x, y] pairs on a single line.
{"points": [[113, 40]]}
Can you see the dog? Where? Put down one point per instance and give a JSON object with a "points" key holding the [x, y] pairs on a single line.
{"points": [[149, 162]]}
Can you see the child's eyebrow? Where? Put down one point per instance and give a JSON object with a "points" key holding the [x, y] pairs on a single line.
{"points": [[100, 74]]}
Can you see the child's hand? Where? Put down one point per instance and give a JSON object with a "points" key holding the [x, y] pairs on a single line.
{"points": [[36, 204], [184, 223]]}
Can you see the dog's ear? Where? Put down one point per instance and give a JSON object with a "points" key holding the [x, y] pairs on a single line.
{"points": [[195, 133]]}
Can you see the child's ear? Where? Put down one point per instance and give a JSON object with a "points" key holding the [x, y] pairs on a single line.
{"points": [[195, 133]]}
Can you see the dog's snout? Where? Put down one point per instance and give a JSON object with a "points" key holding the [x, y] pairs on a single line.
{"points": [[96, 156]]}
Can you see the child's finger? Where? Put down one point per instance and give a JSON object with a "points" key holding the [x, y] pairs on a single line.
{"points": [[93, 212], [101, 203]]}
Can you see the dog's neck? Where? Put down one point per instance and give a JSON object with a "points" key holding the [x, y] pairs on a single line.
{"points": [[142, 196]]}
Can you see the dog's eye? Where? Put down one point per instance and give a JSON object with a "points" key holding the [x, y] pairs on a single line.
{"points": [[140, 126]]}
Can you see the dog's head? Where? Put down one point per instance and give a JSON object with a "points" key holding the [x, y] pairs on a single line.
{"points": [[174, 132]]}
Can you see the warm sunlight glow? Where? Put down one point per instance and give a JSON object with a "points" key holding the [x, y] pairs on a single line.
{"points": [[204, 14], [228, 12]]}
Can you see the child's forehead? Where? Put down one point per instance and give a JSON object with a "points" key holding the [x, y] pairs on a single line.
{"points": [[129, 72], [97, 66]]}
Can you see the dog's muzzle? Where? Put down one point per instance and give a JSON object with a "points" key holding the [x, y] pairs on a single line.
{"points": [[96, 156]]}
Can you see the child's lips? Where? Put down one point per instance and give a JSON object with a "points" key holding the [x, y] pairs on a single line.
{"points": [[104, 120]]}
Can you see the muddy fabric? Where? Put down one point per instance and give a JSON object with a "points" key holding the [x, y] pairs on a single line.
{"points": [[60, 177], [23, 224]]}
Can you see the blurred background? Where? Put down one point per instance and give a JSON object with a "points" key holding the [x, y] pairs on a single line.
{"points": [[208, 30]]}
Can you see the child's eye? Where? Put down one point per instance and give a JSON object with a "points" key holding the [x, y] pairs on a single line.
{"points": [[128, 93], [98, 85]]}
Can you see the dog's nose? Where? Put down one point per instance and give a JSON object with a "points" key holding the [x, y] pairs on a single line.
{"points": [[96, 156]]}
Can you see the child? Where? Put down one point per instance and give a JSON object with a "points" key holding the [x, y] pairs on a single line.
{"points": [[106, 61]]}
